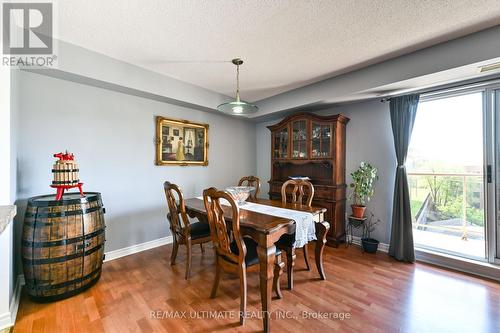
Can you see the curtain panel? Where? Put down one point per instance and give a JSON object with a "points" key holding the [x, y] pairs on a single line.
{"points": [[403, 110]]}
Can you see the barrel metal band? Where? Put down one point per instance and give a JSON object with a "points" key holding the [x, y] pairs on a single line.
{"points": [[30, 282], [90, 197], [69, 170], [63, 241], [63, 214], [61, 259], [55, 182]]}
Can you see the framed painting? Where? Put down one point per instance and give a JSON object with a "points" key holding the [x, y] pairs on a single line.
{"points": [[180, 142]]}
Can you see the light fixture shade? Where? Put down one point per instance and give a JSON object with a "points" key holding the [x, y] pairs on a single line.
{"points": [[237, 108]]}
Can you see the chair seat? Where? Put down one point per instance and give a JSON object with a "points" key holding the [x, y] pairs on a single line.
{"points": [[286, 240], [199, 230], [252, 256]]}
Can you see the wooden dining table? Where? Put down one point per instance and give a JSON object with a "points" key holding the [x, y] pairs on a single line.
{"points": [[266, 230]]}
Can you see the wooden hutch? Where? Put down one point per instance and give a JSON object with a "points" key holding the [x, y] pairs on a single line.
{"points": [[308, 145]]}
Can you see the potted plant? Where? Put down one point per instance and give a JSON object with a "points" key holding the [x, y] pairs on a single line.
{"points": [[369, 244], [363, 181]]}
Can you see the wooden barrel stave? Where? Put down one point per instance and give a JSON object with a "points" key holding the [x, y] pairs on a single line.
{"points": [[63, 254]]}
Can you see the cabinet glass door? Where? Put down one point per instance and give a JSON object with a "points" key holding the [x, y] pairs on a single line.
{"points": [[299, 139], [321, 138], [280, 149]]}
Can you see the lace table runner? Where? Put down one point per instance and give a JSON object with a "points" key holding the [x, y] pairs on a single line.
{"points": [[304, 222]]}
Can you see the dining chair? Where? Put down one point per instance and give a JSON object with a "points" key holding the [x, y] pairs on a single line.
{"points": [[285, 243], [251, 181], [238, 255], [183, 231]]}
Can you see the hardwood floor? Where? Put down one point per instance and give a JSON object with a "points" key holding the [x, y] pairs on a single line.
{"points": [[138, 292]]}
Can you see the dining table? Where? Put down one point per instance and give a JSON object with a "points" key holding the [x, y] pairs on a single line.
{"points": [[266, 229]]}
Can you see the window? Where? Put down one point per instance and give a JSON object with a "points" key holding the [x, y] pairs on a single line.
{"points": [[445, 175]]}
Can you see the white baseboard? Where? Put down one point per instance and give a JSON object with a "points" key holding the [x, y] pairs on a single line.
{"points": [[16, 297], [5, 320], [9, 319], [356, 240], [126, 251]]}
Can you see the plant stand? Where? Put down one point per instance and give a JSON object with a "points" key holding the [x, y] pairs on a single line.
{"points": [[355, 223]]}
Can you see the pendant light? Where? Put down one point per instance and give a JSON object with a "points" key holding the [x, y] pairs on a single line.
{"points": [[237, 107]]}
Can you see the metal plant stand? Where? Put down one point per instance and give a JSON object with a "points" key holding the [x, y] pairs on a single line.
{"points": [[355, 223]]}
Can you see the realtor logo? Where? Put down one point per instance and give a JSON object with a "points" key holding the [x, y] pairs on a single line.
{"points": [[27, 30]]}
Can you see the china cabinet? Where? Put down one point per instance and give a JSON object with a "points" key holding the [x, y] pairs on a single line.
{"points": [[308, 145]]}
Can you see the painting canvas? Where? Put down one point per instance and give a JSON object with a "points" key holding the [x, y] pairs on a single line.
{"points": [[180, 142]]}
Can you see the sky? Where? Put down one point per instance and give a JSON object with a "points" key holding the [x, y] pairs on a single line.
{"points": [[449, 132]]}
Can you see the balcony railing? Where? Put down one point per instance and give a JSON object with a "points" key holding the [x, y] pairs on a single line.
{"points": [[465, 179]]}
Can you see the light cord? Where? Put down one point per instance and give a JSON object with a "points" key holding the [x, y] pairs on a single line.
{"points": [[238, 83]]}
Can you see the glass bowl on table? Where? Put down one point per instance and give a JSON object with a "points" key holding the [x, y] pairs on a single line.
{"points": [[240, 193]]}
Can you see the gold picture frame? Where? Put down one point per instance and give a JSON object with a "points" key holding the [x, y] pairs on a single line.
{"points": [[181, 142]]}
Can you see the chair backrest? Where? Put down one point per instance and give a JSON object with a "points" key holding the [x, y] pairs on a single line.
{"points": [[298, 186], [179, 221], [218, 229], [251, 181]]}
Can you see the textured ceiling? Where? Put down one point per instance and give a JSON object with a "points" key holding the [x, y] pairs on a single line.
{"points": [[285, 44]]}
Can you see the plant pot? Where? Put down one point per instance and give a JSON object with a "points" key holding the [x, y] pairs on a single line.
{"points": [[370, 245], [358, 211]]}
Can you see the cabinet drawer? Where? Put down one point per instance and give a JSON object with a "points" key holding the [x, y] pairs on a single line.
{"points": [[323, 193]]}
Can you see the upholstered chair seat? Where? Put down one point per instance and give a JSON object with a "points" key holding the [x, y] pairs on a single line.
{"points": [[251, 258], [199, 230]]}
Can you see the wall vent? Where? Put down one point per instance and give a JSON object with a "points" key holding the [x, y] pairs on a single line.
{"points": [[490, 67]]}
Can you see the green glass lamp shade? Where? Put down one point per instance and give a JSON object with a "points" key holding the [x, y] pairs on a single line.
{"points": [[237, 108]]}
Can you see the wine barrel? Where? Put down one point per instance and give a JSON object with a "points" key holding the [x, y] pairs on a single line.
{"points": [[62, 245]]}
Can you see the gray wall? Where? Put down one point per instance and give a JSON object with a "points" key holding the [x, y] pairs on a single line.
{"points": [[368, 138], [112, 135]]}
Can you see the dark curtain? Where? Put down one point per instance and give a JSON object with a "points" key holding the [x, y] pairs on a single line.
{"points": [[403, 111]]}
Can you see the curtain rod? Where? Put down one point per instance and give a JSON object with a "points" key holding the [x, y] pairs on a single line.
{"points": [[473, 83]]}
